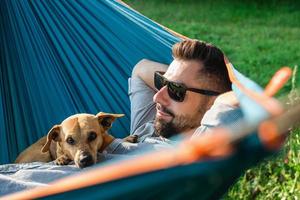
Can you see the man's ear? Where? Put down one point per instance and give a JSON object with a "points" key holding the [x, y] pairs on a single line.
{"points": [[53, 134], [106, 119]]}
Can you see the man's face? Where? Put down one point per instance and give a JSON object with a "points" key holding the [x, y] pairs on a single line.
{"points": [[174, 117]]}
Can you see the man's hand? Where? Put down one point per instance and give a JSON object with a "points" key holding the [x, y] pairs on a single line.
{"points": [[131, 139]]}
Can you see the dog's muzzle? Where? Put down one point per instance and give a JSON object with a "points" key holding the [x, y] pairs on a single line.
{"points": [[85, 160]]}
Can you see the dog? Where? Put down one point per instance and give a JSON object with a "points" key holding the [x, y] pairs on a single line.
{"points": [[78, 138]]}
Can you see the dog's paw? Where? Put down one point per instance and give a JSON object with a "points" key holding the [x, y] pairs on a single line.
{"points": [[62, 160], [131, 139]]}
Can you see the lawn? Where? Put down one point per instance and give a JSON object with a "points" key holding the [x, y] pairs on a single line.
{"points": [[258, 37]]}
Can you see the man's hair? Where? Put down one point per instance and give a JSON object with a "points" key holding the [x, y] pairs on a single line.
{"points": [[209, 55]]}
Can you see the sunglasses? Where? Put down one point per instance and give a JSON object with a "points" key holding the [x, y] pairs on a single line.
{"points": [[177, 91]]}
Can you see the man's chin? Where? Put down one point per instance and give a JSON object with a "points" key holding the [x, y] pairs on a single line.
{"points": [[162, 120], [164, 128]]}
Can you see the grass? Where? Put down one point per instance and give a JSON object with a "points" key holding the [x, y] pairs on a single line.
{"points": [[258, 37]]}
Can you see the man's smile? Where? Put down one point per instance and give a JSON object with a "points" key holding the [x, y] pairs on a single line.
{"points": [[163, 113]]}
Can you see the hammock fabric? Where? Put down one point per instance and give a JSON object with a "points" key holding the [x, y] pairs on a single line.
{"points": [[63, 57]]}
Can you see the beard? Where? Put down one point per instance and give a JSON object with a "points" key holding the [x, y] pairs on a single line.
{"points": [[177, 125]]}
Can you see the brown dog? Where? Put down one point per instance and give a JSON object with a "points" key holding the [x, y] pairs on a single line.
{"points": [[78, 138]]}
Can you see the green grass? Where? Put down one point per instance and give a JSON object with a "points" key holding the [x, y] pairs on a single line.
{"points": [[258, 37]]}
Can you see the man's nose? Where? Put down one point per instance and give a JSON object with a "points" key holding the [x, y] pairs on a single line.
{"points": [[162, 96]]}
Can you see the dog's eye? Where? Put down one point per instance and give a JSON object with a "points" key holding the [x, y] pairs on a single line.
{"points": [[70, 141], [92, 136]]}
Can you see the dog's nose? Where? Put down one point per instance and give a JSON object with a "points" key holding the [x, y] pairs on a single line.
{"points": [[85, 160]]}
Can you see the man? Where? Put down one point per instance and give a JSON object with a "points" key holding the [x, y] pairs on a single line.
{"points": [[167, 101]]}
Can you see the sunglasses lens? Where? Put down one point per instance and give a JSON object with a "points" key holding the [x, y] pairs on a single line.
{"points": [[176, 91], [158, 80]]}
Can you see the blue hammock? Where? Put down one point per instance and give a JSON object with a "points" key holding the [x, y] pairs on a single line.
{"points": [[64, 57]]}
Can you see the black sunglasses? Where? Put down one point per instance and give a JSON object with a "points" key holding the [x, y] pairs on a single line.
{"points": [[177, 91]]}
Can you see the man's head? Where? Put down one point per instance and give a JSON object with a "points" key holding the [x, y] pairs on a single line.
{"points": [[196, 65]]}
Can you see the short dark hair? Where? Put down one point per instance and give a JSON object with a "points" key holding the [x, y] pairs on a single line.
{"points": [[209, 55]]}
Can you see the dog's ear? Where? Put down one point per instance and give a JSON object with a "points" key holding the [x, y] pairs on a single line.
{"points": [[106, 119], [53, 134]]}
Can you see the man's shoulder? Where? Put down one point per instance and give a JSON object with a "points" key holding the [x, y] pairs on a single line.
{"points": [[220, 114]]}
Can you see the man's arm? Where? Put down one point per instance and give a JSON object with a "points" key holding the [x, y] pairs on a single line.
{"points": [[145, 69], [141, 91]]}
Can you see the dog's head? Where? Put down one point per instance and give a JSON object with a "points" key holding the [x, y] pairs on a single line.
{"points": [[80, 136]]}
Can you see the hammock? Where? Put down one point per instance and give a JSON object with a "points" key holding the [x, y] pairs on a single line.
{"points": [[59, 58]]}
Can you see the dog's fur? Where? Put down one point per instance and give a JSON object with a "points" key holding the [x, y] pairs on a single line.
{"points": [[78, 138]]}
